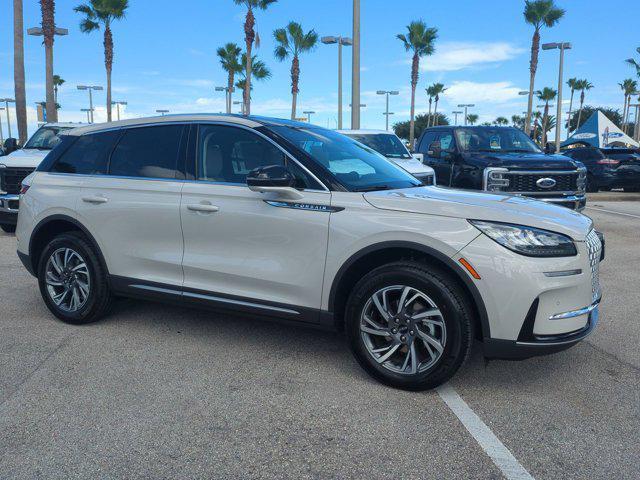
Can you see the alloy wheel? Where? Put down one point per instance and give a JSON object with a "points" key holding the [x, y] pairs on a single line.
{"points": [[403, 329], [67, 279]]}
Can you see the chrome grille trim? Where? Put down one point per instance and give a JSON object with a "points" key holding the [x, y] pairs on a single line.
{"points": [[594, 248]]}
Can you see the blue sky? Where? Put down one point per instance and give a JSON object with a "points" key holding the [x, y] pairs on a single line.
{"points": [[165, 56]]}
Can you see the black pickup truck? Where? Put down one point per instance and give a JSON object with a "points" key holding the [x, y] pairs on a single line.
{"points": [[502, 159]]}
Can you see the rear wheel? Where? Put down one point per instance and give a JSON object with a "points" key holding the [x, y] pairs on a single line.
{"points": [[72, 281], [592, 187], [409, 326], [8, 228]]}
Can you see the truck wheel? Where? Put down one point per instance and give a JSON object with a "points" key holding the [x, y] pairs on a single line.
{"points": [[72, 281], [409, 325], [8, 228], [592, 187]]}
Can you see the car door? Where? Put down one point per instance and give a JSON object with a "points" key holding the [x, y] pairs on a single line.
{"points": [[249, 249], [439, 160], [133, 210]]}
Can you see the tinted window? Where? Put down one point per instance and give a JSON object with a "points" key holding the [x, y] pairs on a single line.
{"points": [[387, 144], [45, 138], [446, 141], [489, 139], [427, 139], [147, 152], [228, 154], [89, 154]]}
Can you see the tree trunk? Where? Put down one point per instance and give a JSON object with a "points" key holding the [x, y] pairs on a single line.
{"points": [[533, 67], [429, 116], [295, 78], [580, 111], [47, 8], [108, 63], [249, 37], [230, 90], [414, 83], [545, 120], [435, 112], [570, 113], [625, 112], [18, 71]]}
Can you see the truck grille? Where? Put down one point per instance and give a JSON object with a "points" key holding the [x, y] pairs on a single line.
{"points": [[11, 178], [594, 247], [526, 182]]}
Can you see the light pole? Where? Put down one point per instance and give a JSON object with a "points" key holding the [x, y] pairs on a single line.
{"points": [[387, 93], [636, 125], [562, 46], [1, 136], [51, 104], [308, 113], [340, 41], [227, 96], [91, 88], [241, 103], [7, 101], [355, 68], [162, 112], [88, 110], [117, 104], [455, 116], [466, 106]]}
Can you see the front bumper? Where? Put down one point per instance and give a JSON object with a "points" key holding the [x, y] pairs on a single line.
{"points": [[9, 205], [575, 202], [533, 345]]}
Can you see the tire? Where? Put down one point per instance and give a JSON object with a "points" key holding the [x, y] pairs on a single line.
{"points": [[591, 186], [8, 228], [93, 275], [432, 288]]}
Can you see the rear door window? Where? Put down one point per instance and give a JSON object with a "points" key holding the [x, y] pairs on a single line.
{"points": [[427, 139], [88, 155], [150, 152]]}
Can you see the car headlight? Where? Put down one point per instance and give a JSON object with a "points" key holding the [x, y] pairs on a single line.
{"points": [[495, 179], [529, 241]]}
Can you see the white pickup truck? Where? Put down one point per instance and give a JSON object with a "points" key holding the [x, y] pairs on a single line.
{"points": [[15, 166]]}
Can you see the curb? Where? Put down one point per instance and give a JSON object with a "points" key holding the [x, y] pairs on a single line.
{"points": [[613, 197]]}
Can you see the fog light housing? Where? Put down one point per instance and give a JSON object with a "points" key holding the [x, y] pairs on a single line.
{"points": [[495, 179]]}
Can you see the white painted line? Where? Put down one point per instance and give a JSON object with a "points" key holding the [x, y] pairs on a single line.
{"points": [[614, 212], [499, 454]]}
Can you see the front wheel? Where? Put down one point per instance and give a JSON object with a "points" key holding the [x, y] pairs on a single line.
{"points": [[72, 280], [409, 326]]}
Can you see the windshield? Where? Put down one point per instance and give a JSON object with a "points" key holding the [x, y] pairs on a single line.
{"points": [[45, 138], [385, 143], [501, 140], [356, 166]]}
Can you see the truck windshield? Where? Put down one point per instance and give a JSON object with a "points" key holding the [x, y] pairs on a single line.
{"points": [[500, 140], [384, 143], [354, 165], [45, 138]]}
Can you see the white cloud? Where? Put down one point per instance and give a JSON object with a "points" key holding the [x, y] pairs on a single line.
{"points": [[451, 56], [474, 92]]}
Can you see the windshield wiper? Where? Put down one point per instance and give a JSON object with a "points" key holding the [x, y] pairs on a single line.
{"points": [[374, 188]]}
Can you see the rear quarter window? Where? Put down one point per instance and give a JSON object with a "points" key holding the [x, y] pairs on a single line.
{"points": [[88, 155]]}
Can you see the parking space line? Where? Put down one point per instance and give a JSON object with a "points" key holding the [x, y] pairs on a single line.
{"points": [[614, 212], [499, 454]]}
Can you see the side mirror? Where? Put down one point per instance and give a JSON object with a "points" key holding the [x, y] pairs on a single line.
{"points": [[10, 145], [273, 178], [435, 150]]}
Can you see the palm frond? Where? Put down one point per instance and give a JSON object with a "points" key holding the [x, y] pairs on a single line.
{"points": [[281, 53], [264, 4], [404, 40], [87, 25]]}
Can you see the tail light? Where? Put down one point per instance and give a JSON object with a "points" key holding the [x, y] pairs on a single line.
{"points": [[608, 161], [24, 188]]}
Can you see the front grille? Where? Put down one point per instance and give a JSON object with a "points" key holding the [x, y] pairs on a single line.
{"points": [[594, 247], [526, 182], [11, 178]]}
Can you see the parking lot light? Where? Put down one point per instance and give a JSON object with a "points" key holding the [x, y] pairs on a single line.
{"points": [[228, 91], [162, 112], [117, 104], [6, 102], [455, 116], [90, 88], [88, 110], [346, 41], [308, 113], [562, 46], [387, 93], [466, 106]]}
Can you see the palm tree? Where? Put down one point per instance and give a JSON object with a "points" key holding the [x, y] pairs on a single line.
{"points": [[249, 37], [103, 12], [438, 88], [229, 56], [634, 63], [582, 86], [629, 87], [537, 116], [546, 95], [571, 83], [18, 71], [291, 42], [538, 13], [48, 8], [517, 121], [58, 81], [430, 94], [260, 72], [501, 121], [419, 40], [472, 118]]}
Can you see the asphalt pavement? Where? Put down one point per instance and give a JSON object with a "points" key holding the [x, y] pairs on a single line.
{"points": [[156, 391]]}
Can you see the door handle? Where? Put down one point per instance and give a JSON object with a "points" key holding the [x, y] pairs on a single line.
{"points": [[202, 207], [95, 199]]}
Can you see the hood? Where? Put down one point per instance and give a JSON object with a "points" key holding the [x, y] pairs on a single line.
{"points": [[525, 161], [483, 206], [411, 165], [24, 158]]}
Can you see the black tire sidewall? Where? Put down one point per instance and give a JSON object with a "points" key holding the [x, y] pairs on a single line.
{"points": [[457, 321], [88, 312]]}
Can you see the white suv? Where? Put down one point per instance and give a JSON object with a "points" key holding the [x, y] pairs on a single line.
{"points": [[286, 220]]}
